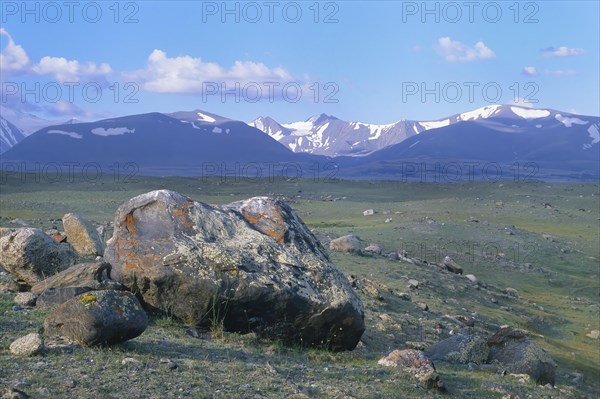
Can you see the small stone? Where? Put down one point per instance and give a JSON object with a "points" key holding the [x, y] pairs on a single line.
{"points": [[594, 334], [369, 212], [29, 345], [423, 306], [511, 292], [412, 283], [69, 383], [25, 299], [472, 278], [170, 364], [130, 361]]}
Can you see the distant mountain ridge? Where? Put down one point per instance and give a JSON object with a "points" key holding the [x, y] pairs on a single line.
{"points": [[10, 135], [330, 136]]}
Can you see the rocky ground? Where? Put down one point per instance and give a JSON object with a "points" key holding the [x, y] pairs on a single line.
{"points": [[456, 310]]}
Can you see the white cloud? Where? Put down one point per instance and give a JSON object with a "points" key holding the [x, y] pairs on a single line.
{"points": [[562, 52], [69, 70], [530, 71], [186, 74], [13, 57], [455, 51]]}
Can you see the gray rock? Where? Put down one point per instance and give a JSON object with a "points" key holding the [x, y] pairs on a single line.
{"points": [[412, 283], [369, 212], [519, 355], [252, 265], [349, 243], [30, 255], [451, 265], [373, 249], [414, 364], [29, 345], [460, 349], [82, 235], [98, 318], [53, 297], [25, 298], [511, 292], [472, 278], [95, 275]]}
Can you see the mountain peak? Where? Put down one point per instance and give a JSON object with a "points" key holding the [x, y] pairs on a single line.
{"points": [[318, 119]]}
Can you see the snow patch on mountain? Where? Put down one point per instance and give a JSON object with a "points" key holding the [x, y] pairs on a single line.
{"points": [[530, 113], [483, 112], [70, 134], [205, 118], [111, 131], [192, 123], [434, 124], [594, 132], [568, 122]]}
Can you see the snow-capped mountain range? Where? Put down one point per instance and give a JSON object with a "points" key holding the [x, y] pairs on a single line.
{"points": [[9, 135], [560, 144], [330, 136]]}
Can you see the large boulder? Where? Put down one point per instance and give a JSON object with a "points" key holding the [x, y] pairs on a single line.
{"points": [[349, 243], [94, 275], [53, 297], [30, 255], [253, 264], [514, 350], [98, 318], [82, 235], [460, 349], [414, 364]]}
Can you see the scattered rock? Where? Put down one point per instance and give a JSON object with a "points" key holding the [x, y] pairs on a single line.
{"points": [[98, 318], [514, 350], [94, 275], [82, 235], [30, 255], [373, 249], [461, 349], [20, 221], [594, 334], [423, 306], [388, 220], [451, 265], [511, 292], [413, 363], [472, 278], [15, 393], [170, 364], [25, 299], [29, 345], [131, 362], [412, 283], [369, 212], [254, 261], [349, 243]]}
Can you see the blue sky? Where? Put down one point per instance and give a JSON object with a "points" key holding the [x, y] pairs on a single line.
{"points": [[376, 61]]}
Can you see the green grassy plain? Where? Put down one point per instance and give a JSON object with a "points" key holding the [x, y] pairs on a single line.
{"points": [[501, 232]]}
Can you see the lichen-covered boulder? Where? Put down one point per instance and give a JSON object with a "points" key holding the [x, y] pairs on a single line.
{"points": [[94, 275], [30, 255], [98, 318], [512, 348], [414, 364], [82, 235], [460, 349], [349, 243], [253, 264]]}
